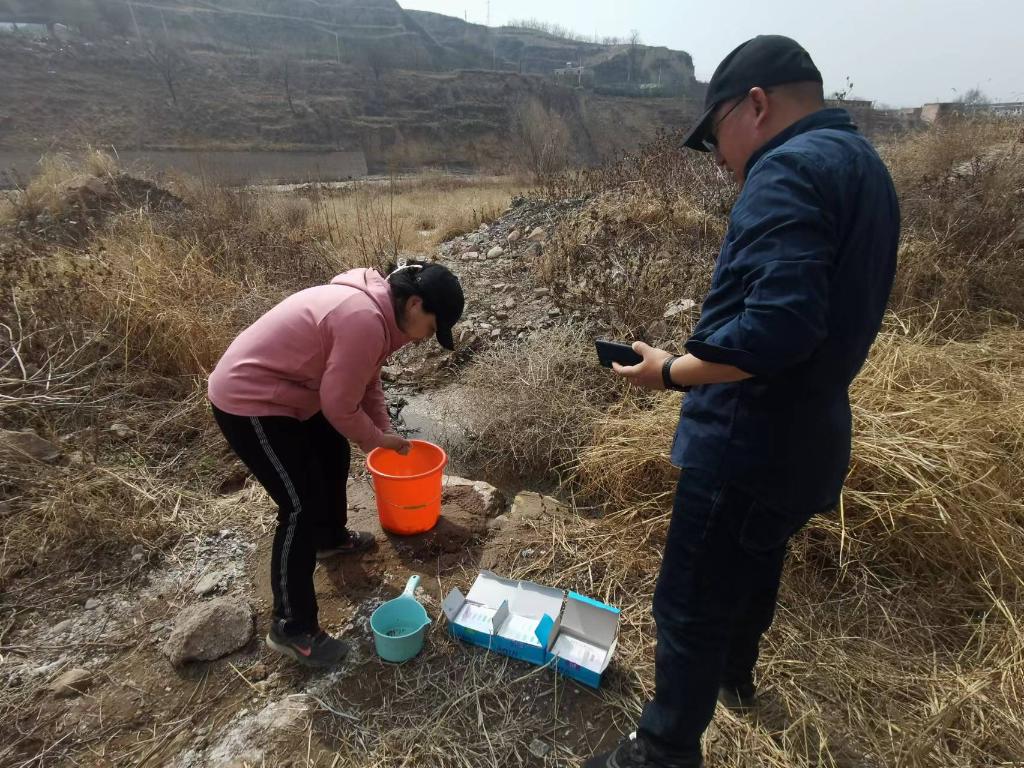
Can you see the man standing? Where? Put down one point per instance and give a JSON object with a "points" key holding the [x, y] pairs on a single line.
{"points": [[797, 298]]}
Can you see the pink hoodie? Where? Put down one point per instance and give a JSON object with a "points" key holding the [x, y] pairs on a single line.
{"points": [[320, 349]]}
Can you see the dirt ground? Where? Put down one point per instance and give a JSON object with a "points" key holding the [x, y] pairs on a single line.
{"points": [[254, 707]]}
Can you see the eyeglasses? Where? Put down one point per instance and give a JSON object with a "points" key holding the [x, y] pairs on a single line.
{"points": [[711, 143]]}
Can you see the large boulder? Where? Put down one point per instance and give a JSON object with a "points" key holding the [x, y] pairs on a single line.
{"points": [[210, 630], [493, 500]]}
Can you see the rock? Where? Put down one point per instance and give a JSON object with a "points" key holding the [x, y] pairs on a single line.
{"points": [[470, 256], [483, 228], [534, 251], [258, 672], [465, 337], [72, 683], [539, 749], [138, 553], [27, 445], [541, 291], [210, 630], [658, 330], [121, 430], [494, 500], [496, 333], [62, 626], [497, 523], [391, 373], [475, 238], [533, 506], [509, 303], [92, 604], [501, 315], [515, 236], [555, 312], [76, 457], [537, 236], [495, 252], [210, 583], [677, 308]]}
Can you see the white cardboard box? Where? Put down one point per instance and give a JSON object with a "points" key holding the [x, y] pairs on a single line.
{"points": [[505, 615], [537, 624]]}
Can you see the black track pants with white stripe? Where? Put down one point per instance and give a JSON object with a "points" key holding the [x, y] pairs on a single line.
{"points": [[304, 466]]}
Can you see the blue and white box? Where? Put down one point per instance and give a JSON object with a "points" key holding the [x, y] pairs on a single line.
{"points": [[512, 617], [583, 642], [538, 624]]}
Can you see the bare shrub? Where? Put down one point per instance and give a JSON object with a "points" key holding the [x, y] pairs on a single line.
{"points": [[959, 188], [646, 237], [542, 139], [531, 404], [910, 593], [378, 234]]}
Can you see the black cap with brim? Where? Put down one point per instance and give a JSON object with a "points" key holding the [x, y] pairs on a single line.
{"points": [[442, 295], [695, 138], [444, 336], [761, 62]]}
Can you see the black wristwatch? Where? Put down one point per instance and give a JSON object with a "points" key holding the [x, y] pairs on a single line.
{"points": [[666, 374]]}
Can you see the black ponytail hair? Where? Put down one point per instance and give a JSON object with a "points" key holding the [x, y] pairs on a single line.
{"points": [[402, 280]]}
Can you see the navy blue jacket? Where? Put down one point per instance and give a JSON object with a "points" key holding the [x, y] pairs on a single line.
{"points": [[797, 298]]}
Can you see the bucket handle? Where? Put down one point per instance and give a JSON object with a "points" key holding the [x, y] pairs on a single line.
{"points": [[410, 586]]}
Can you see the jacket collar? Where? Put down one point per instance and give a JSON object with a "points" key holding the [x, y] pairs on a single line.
{"points": [[835, 118]]}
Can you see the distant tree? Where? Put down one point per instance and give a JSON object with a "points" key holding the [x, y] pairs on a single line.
{"points": [[634, 53], [167, 62], [543, 139], [379, 58], [842, 94], [973, 97]]}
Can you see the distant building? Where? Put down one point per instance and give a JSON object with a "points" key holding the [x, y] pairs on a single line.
{"points": [[936, 111]]}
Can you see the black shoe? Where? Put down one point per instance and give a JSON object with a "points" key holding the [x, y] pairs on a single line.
{"points": [[349, 543], [309, 649], [634, 752], [740, 698]]}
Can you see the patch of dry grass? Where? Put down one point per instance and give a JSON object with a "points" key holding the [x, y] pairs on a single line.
{"points": [[899, 637], [373, 221], [530, 404], [46, 190], [962, 209]]}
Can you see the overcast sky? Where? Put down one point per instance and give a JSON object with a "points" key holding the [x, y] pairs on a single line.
{"points": [[897, 52]]}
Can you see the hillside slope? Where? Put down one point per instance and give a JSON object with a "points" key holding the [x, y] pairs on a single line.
{"points": [[285, 74]]}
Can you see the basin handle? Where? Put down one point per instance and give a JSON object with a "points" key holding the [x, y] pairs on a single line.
{"points": [[410, 586]]}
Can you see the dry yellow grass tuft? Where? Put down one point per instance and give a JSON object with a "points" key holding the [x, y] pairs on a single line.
{"points": [[899, 635]]}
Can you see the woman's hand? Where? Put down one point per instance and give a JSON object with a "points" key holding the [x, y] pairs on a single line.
{"points": [[396, 443]]}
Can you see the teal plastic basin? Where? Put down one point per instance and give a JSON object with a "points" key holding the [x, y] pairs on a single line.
{"points": [[400, 625]]}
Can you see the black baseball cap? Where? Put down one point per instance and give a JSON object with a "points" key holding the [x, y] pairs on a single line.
{"points": [[442, 296], [761, 62]]}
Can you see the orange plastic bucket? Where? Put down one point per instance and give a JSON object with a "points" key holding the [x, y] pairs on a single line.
{"points": [[408, 488]]}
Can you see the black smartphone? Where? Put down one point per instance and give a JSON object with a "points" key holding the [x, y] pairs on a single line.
{"points": [[609, 352]]}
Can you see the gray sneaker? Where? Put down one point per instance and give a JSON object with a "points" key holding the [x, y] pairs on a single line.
{"points": [[309, 649], [350, 543]]}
